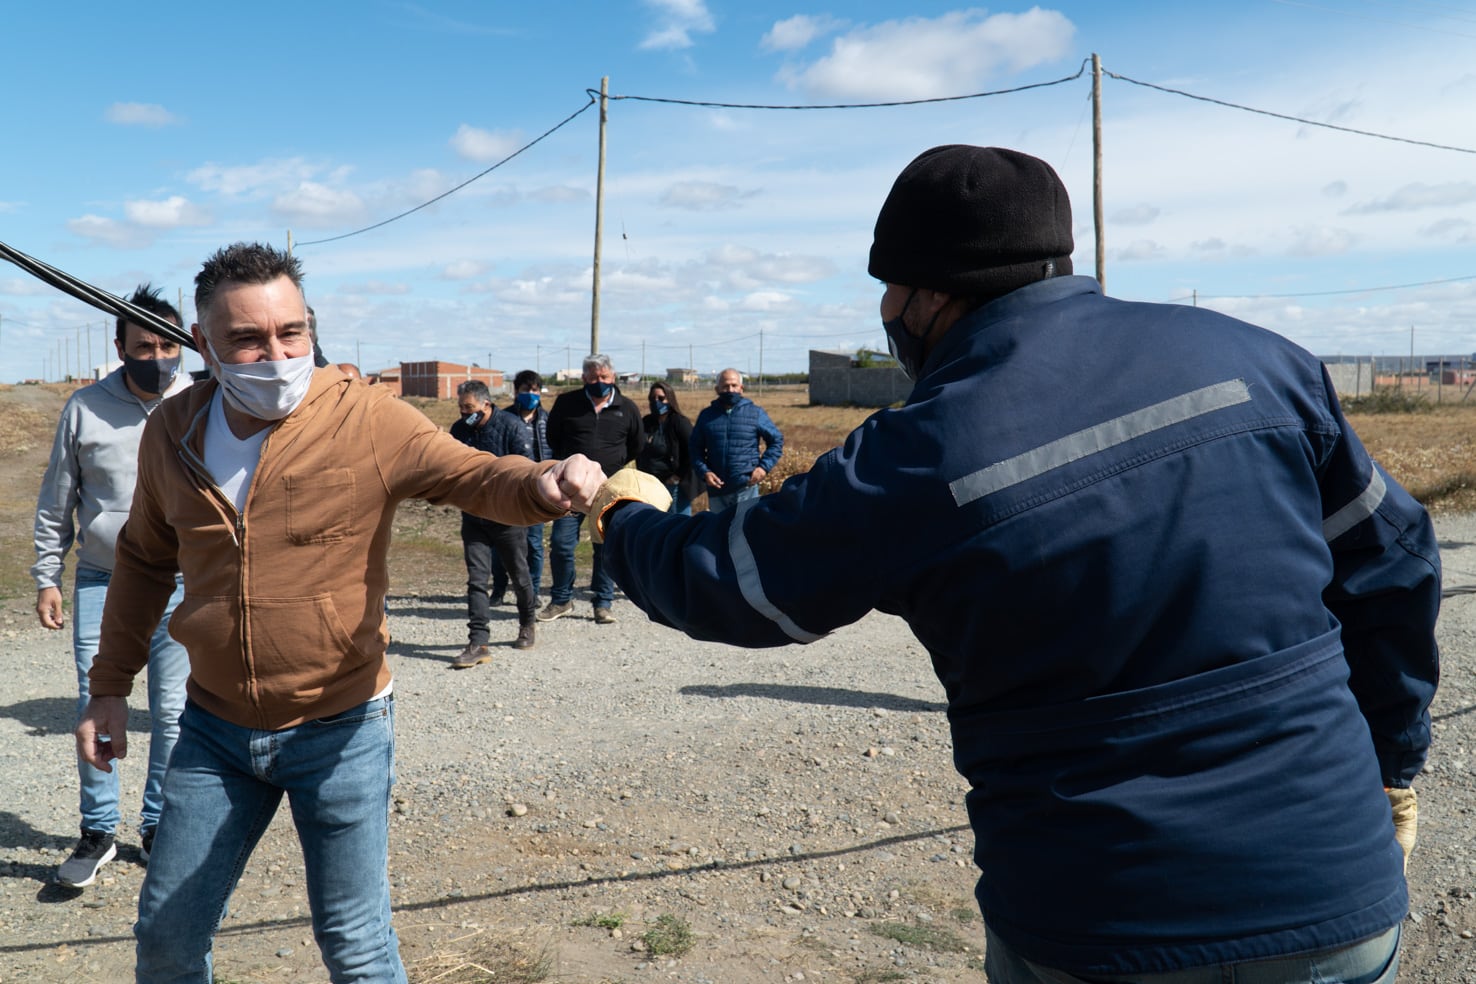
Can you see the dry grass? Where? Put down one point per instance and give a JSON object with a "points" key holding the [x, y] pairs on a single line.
{"points": [[480, 958]]}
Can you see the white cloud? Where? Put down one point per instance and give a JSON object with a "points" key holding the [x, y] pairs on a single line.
{"points": [[766, 300], [105, 230], [1419, 195], [483, 146], [463, 270], [560, 195], [1137, 215], [676, 22], [173, 212], [919, 58], [1335, 189], [139, 114], [9, 206], [1321, 241], [314, 204], [793, 33], [252, 179], [23, 287], [1454, 230], [1139, 249], [703, 196], [378, 287]]}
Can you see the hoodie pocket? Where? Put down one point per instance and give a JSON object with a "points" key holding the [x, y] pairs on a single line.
{"points": [[320, 506]]}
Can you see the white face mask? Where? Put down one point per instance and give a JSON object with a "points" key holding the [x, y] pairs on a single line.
{"points": [[264, 390]]}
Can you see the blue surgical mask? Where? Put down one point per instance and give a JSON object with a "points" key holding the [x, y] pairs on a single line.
{"points": [[662, 407], [598, 391], [525, 401], [905, 347]]}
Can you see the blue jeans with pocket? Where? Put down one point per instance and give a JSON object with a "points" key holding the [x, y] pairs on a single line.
{"points": [[169, 668], [222, 789], [561, 544]]}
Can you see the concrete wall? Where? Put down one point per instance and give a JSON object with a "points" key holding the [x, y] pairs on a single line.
{"points": [[1351, 380], [835, 382]]}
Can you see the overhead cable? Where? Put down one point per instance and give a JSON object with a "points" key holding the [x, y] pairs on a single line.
{"points": [[1325, 293], [452, 191], [96, 296], [594, 93], [1284, 116]]}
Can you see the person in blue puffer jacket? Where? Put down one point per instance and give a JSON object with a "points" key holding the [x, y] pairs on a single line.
{"points": [[725, 444], [1184, 623]]}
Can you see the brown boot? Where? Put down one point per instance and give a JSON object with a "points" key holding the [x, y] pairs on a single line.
{"points": [[471, 656], [525, 636]]}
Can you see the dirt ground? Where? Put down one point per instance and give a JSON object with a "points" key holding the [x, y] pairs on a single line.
{"points": [[584, 811]]}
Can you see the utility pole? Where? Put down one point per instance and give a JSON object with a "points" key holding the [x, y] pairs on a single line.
{"points": [[1097, 171], [643, 360], [538, 359], [90, 363], [594, 295], [289, 242], [761, 363]]}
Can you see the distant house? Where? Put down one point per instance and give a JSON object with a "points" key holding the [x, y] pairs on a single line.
{"points": [[686, 377], [438, 380], [387, 377]]}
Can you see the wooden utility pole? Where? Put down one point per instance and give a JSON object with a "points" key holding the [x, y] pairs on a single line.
{"points": [[289, 242], [1097, 170], [594, 295]]}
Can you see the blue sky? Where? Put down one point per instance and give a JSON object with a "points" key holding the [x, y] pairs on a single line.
{"points": [[140, 139]]}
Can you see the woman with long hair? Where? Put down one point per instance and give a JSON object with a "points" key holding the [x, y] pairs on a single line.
{"points": [[666, 453]]}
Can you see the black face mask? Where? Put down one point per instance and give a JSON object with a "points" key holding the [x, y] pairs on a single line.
{"points": [[151, 375], [905, 347]]}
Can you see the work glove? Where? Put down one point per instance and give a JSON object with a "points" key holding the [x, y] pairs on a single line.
{"points": [[1406, 810], [627, 485]]}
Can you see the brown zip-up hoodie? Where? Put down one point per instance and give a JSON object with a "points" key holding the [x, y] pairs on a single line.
{"points": [[283, 613]]}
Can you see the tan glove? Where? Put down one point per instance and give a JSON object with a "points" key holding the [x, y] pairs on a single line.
{"points": [[627, 485], [1406, 810]]}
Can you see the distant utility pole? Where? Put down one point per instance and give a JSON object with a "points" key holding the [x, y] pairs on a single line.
{"points": [[594, 296], [1097, 171]]}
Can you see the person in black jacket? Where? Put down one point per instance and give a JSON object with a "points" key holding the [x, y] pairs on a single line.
{"points": [[604, 425], [667, 453]]}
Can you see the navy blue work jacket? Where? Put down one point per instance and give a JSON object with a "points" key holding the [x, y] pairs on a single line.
{"points": [[1184, 623]]}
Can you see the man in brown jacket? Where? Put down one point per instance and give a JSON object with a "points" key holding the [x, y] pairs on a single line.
{"points": [[272, 488]]}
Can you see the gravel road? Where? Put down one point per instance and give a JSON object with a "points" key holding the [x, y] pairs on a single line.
{"points": [[796, 808]]}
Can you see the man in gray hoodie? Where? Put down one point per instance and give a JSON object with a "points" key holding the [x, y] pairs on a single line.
{"points": [[85, 498]]}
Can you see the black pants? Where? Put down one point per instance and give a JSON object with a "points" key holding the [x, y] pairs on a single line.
{"points": [[479, 540]]}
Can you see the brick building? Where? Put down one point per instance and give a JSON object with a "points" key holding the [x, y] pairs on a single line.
{"points": [[438, 380]]}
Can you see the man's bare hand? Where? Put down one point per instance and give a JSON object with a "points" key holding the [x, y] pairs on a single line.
{"points": [[572, 483], [756, 476], [49, 608], [102, 734], [713, 482]]}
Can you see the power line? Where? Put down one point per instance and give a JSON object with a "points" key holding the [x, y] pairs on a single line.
{"points": [[1284, 116], [1324, 293], [452, 191], [871, 105]]}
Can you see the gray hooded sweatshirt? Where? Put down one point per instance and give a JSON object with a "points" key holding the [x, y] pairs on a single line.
{"points": [[93, 466]]}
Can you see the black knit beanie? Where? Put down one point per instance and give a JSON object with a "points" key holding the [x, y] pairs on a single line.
{"points": [[976, 221]]}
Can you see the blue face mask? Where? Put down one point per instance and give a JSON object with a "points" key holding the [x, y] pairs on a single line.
{"points": [[525, 401], [905, 347], [661, 407], [598, 391], [472, 419]]}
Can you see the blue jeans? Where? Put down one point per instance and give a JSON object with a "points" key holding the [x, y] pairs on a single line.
{"points": [[223, 787], [535, 563], [681, 502], [561, 544], [717, 500], [169, 667], [1373, 961]]}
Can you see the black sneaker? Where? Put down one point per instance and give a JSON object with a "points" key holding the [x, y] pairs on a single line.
{"points": [[145, 845], [94, 850]]}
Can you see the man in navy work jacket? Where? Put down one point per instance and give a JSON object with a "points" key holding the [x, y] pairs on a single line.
{"points": [[725, 444], [604, 425], [1184, 623]]}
